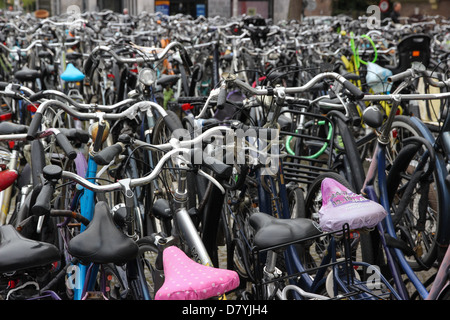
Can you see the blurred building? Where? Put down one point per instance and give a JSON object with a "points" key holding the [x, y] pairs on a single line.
{"points": [[275, 9]]}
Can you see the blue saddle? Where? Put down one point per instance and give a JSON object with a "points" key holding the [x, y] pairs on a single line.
{"points": [[72, 74]]}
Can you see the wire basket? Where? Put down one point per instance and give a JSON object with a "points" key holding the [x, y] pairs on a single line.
{"points": [[308, 147]]}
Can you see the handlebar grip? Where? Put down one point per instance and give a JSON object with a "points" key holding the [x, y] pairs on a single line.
{"points": [[65, 144], [37, 96], [220, 169], [192, 99], [354, 90], [400, 76], [12, 128], [222, 98], [173, 122], [106, 155], [322, 86], [42, 205], [186, 59], [75, 134], [37, 162], [34, 126]]}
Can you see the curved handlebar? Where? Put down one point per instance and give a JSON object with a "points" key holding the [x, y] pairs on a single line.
{"points": [[128, 113], [358, 94]]}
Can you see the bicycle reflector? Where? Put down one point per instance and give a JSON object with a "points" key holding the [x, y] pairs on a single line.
{"points": [[416, 53], [7, 178]]}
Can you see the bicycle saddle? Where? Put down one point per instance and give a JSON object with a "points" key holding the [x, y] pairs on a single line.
{"points": [[186, 279], [102, 242], [18, 252], [26, 74], [72, 74], [271, 231], [340, 205], [168, 79]]}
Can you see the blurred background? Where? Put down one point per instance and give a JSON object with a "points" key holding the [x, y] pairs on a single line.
{"points": [[276, 10]]}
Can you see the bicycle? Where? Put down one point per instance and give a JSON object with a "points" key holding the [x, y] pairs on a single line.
{"points": [[393, 250], [84, 248]]}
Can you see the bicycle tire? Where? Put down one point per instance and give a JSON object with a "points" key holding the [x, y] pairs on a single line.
{"points": [[404, 127], [147, 255], [161, 187]]}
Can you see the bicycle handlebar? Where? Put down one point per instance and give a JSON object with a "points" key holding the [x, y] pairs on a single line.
{"points": [[152, 58], [358, 94], [47, 93], [402, 75], [419, 71], [407, 97], [128, 113]]}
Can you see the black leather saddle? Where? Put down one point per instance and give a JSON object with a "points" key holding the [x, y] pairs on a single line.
{"points": [[102, 242], [272, 232], [168, 79], [27, 74], [19, 253]]}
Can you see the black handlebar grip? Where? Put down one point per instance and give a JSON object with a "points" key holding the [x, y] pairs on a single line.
{"points": [[354, 90], [322, 86], [222, 98], [65, 144], [34, 126], [192, 99], [221, 169], [42, 205], [75, 134], [186, 59], [37, 162], [12, 128], [37, 96], [82, 135], [173, 122], [106, 155]]}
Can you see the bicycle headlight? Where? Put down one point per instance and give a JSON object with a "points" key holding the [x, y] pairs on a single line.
{"points": [[147, 76]]}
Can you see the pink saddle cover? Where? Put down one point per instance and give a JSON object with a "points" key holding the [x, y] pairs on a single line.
{"points": [[340, 205], [186, 279]]}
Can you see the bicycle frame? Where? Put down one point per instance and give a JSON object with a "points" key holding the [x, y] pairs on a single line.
{"points": [[275, 202], [87, 205], [387, 225]]}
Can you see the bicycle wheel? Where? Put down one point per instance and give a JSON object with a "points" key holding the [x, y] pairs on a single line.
{"points": [[419, 225], [296, 201], [162, 188], [147, 259]]}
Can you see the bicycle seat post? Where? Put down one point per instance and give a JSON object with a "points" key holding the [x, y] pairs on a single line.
{"points": [[181, 196]]}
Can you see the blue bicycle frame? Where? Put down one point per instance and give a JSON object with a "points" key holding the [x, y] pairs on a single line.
{"points": [[87, 205], [388, 226], [87, 210]]}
